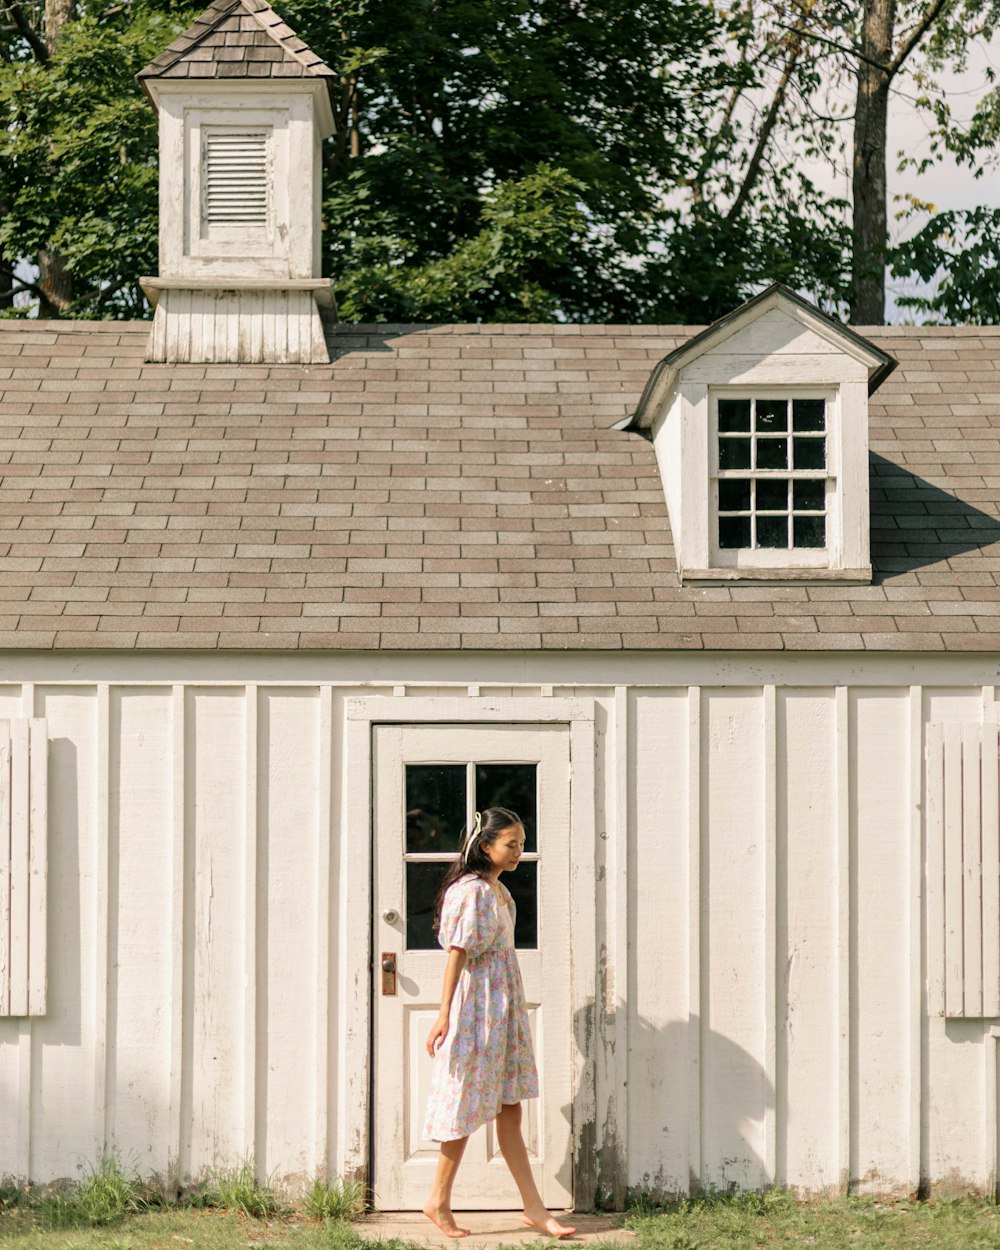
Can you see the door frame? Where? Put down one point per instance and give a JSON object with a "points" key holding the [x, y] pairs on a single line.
{"points": [[353, 891]]}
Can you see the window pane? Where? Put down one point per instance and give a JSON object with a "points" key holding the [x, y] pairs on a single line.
{"points": [[435, 806], [809, 495], [422, 882], [515, 787], [523, 884], [809, 531], [772, 531], [772, 415], [734, 415], [810, 453], [772, 494], [734, 495], [734, 531], [734, 453], [772, 453], [808, 414]]}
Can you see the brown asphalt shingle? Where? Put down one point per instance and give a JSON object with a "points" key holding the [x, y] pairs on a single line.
{"points": [[237, 39], [449, 486]]}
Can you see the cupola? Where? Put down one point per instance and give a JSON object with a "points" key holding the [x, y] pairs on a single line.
{"points": [[243, 108]]}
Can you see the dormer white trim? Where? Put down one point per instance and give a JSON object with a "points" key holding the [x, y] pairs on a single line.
{"points": [[776, 349]]}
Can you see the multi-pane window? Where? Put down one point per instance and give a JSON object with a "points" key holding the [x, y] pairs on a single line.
{"points": [[772, 473], [440, 802]]}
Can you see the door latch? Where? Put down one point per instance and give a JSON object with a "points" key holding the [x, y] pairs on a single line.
{"points": [[388, 972]]}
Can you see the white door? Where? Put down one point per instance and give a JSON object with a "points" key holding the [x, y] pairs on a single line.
{"points": [[428, 781]]}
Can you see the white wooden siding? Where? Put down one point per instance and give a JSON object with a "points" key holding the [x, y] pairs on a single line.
{"points": [[23, 846], [760, 881], [963, 822]]}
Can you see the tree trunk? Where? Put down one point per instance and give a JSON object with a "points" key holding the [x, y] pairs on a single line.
{"points": [[869, 184], [55, 281], [57, 13], [6, 286]]}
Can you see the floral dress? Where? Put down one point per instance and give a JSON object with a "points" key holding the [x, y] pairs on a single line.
{"points": [[486, 1058]]}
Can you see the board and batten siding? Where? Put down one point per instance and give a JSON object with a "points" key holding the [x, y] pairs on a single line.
{"points": [[763, 935]]}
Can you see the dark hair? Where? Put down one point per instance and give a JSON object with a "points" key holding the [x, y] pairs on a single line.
{"points": [[493, 822]]}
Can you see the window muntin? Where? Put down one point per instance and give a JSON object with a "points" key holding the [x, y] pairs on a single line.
{"points": [[773, 478], [440, 802]]}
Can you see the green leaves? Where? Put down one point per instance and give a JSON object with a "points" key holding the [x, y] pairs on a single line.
{"points": [[957, 254], [497, 159], [78, 157]]}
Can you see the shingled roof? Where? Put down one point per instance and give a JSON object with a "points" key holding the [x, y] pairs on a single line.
{"points": [[237, 39], [448, 487]]}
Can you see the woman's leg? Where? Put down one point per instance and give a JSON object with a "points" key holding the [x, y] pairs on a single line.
{"points": [[515, 1155], [438, 1206]]}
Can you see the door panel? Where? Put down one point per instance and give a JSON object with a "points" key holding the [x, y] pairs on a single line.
{"points": [[428, 782]]}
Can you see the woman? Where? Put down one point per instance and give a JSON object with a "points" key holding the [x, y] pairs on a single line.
{"points": [[481, 1044]]}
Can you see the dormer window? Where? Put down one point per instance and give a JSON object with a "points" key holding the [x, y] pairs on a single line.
{"points": [[760, 427], [773, 488]]}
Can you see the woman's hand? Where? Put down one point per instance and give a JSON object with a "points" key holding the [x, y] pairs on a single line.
{"points": [[438, 1033]]}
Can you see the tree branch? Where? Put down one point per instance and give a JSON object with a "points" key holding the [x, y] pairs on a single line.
{"points": [[27, 286], [934, 11], [697, 181], [26, 31], [764, 137], [832, 43]]}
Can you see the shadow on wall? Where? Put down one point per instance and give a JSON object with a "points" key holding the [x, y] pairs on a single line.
{"points": [[915, 524], [705, 1101]]}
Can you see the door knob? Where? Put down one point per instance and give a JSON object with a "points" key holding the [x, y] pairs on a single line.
{"points": [[390, 915], [388, 972]]}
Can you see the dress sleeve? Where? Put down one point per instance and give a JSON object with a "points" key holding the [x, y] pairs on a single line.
{"points": [[467, 919]]}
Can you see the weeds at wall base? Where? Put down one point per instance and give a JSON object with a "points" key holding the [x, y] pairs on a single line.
{"points": [[107, 1193]]}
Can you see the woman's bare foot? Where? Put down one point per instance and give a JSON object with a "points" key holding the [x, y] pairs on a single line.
{"points": [[443, 1218], [547, 1223]]}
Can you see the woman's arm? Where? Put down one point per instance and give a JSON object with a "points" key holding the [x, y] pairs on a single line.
{"points": [[455, 964]]}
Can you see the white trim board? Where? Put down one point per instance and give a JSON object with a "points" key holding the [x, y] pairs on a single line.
{"points": [[352, 1144], [543, 670]]}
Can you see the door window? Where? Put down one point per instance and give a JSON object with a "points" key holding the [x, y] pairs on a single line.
{"points": [[441, 802]]}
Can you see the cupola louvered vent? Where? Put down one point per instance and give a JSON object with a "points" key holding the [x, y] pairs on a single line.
{"points": [[235, 177]]}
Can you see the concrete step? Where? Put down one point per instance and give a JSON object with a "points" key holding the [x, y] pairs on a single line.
{"points": [[489, 1229]]}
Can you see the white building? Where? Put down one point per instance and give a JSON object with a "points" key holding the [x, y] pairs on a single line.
{"points": [[278, 623]]}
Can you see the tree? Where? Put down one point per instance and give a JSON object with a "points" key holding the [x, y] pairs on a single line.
{"points": [[493, 158], [877, 43], [78, 156], [957, 256], [636, 160]]}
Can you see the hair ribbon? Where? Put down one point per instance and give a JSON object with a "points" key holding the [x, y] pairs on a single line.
{"points": [[472, 835]]}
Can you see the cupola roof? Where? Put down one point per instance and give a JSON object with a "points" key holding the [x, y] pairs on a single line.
{"points": [[237, 39]]}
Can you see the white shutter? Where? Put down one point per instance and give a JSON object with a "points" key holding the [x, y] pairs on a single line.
{"points": [[235, 177], [23, 866], [963, 870]]}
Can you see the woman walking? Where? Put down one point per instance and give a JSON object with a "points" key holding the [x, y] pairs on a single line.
{"points": [[484, 1063]]}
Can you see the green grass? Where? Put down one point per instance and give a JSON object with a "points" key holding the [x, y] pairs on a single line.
{"points": [[776, 1219], [186, 1228], [238, 1189], [343, 1200], [110, 1211]]}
